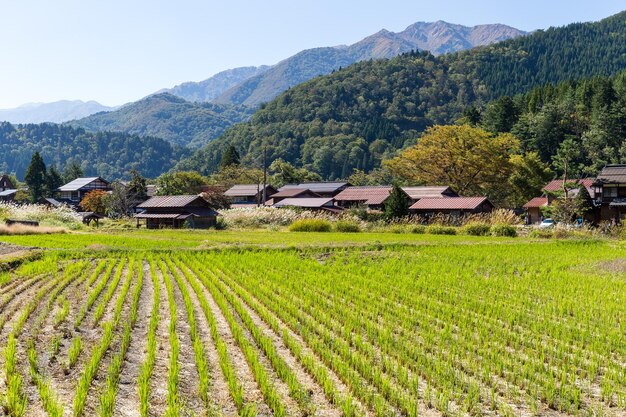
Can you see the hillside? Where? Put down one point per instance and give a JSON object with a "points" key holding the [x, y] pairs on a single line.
{"points": [[110, 155], [168, 117], [56, 112], [438, 37], [355, 117], [213, 87]]}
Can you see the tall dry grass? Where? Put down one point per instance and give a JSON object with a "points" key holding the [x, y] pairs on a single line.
{"points": [[19, 229]]}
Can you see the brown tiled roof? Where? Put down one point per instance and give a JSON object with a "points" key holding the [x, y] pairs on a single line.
{"points": [[368, 195], [612, 174], [245, 190], [537, 202], [292, 192], [428, 192], [169, 201], [451, 203], [317, 187], [557, 185], [317, 202]]}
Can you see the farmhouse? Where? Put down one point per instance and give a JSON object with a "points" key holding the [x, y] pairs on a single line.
{"points": [[417, 193], [315, 204], [291, 193], [551, 193], [372, 197], [176, 212], [74, 191], [249, 194], [323, 189], [609, 193], [7, 189], [456, 206]]}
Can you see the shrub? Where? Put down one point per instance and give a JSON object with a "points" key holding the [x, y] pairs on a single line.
{"points": [[420, 229], [310, 225], [476, 229], [347, 227], [440, 230], [503, 230], [220, 223], [541, 234]]}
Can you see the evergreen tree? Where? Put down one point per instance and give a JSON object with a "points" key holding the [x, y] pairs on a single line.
{"points": [[229, 157], [137, 189], [72, 171], [397, 204], [36, 177], [53, 180]]}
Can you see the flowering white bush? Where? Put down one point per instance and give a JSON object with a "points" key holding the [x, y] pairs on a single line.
{"points": [[54, 216]]}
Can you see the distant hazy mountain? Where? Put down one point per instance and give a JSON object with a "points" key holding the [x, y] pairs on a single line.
{"points": [[168, 117], [213, 87], [438, 38], [56, 112]]}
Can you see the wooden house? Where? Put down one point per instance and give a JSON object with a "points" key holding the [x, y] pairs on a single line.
{"points": [[373, 198], [455, 206], [314, 204], [428, 191], [323, 189], [73, 192], [7, 189], [552, 191], [249, 194], [609, 193], [176, 212], [291, 193]]}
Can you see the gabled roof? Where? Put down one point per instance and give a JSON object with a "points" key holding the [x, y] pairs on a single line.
{"points": [[557, 185], [368, 195], [452, 203], [429, 192], [317, 187], [293, 192], [79, 183], [7, 193], [247, 190], [537, 202], [612, 174], [171, 201], [317, 202]]}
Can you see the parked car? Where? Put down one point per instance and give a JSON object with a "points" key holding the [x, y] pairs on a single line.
{"points": [[546, 224]]}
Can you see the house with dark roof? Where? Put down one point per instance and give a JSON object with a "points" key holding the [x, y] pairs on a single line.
{"points": [[74, 191], [455, 206], [609, 193], [314, 204], [291, 193], [324, 189], [428, 191], [249, 194], [7, 189], [176, 212], [373, 198]]}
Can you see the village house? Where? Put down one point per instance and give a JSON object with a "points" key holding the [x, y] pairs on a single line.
{"points": [[313, 204], [551, 192], [7, 189], [73, 192], [249, 194], [323, 189], [455, 206], [176, 212], [609, 193], [291, 193], [373, 197], [428, 191]]}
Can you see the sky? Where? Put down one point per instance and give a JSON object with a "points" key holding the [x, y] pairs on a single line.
{"points": [[117, 51]]}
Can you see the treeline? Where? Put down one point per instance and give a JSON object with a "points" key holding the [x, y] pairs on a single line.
{"points": [[110, 155], [358, 116]]}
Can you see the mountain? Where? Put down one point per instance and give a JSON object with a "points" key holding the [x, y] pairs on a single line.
{"points": [[213, 87], [355, 117], [438, 37], [168, 117], [56, 112], [110, 155]]}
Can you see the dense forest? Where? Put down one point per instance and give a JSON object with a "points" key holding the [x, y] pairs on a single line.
{"points": [[110, 155], [169, 117], [357, 116]]}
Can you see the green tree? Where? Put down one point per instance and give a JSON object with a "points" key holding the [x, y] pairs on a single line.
{"points": [[180, 183], [36, 177], [53, 180], [72, 171], [230, 157], [285, 173], [397, 204], [137, 188], [529, 176]]}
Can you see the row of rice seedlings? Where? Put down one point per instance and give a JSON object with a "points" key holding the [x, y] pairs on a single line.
{"points": [[312, 365], [226, 363], [49, 399], [74, 352], [198, 347], [111, 291], [296, 390], [173, 402], [93, 295], [107, 396], [96, 273], [147, 367], [62, 313], [251, 354], [98, 353]]}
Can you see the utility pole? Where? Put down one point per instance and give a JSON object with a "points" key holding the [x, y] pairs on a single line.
{"points": [[264, 174]]}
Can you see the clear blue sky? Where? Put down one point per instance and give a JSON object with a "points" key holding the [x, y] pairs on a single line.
{"points": [[117, 51]]}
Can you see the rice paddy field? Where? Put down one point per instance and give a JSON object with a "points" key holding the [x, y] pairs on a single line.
{"points": [[174, 323]]}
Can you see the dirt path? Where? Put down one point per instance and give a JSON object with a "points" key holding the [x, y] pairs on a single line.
{"points": [[158, 382], [127, 401]]}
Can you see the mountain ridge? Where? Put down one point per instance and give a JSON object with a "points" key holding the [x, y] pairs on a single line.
{"points": [[54, 112]]}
